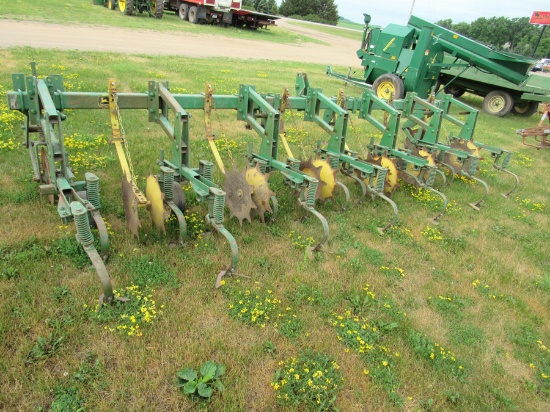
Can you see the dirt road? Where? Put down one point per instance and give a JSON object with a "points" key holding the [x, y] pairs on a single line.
{"points": [[340, 51]]}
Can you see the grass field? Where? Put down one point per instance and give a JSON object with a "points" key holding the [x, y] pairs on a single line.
{"points": [[335, 31], [425, 317]]}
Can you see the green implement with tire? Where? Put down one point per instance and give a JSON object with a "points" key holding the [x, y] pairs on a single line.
{"points": [[421, 57], [155, 8]]}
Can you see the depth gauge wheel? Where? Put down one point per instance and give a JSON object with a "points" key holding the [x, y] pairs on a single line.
{"points": [[498, 103], [183, 11], [193, 15], [111, 4], [388, 86], [524, 108]]}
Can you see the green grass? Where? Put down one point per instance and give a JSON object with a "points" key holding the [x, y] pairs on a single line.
{"points": [[57, 353], [78, 12], [350, 25], [335, 30]]}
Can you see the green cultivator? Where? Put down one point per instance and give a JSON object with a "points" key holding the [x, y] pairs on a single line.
{"points": [[43, 102]]}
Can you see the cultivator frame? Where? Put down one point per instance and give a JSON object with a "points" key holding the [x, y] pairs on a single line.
{"points": [[77, 201], [43, 101]]}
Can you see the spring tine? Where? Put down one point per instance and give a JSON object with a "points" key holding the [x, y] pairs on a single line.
{"points": [[395, 217], [507, 194], [479, 202]]}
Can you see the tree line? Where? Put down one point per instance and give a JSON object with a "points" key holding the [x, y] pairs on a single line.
{"points": [[321, 11], [515, 35]]}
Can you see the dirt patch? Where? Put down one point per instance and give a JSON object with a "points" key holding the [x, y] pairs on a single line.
{"points": [[338, 51]]}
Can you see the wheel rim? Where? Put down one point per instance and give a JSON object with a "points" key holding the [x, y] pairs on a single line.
{"points": [[154, 5], [122, 5], [385, 90], [496, 104]]}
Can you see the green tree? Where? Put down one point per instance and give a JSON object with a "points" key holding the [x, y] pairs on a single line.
{"points": [[261, 6], [327, 11], [324, 11], [272, 7]]}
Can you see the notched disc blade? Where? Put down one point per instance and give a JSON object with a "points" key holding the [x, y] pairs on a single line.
{"points": [[466, 146], [261, 194], [322, 171], [454, 162], [392, 177], [156, 208], [130, 207], [239, 196]]}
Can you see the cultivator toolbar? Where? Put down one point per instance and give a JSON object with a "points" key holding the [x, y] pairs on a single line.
{"points": [[313, 179]]}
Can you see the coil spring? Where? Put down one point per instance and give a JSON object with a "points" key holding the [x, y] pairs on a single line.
{"points": [[80, 215], [218, 209], [263, 166], [381, 179], [92, 189], [168, 183], [334, 162], [311, 191], [294, 164], [206, 169]]}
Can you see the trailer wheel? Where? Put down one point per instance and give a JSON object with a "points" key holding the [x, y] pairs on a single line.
{"points": [[183, 11], [193, 15], [525, 108], [388, 86], [453, 90], [111, 4], [158, 8], [498, 103]]}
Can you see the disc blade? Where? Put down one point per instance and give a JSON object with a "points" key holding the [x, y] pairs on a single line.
{"points": [[239, 196], [156, 207], [261, 194]]}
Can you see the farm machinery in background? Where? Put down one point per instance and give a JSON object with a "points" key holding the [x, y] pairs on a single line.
{"points": [[155, 8], [44, 100], [222, 12]]}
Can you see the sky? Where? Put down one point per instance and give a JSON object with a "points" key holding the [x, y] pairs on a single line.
{"points": [[397, 11]]}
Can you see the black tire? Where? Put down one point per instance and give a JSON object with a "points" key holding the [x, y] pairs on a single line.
{"points": [[387, 85], [193, 15], [159, 8], [113, 4], [183, 12], [525, 108], [453, 90], [498, 103], [126, 7]]}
